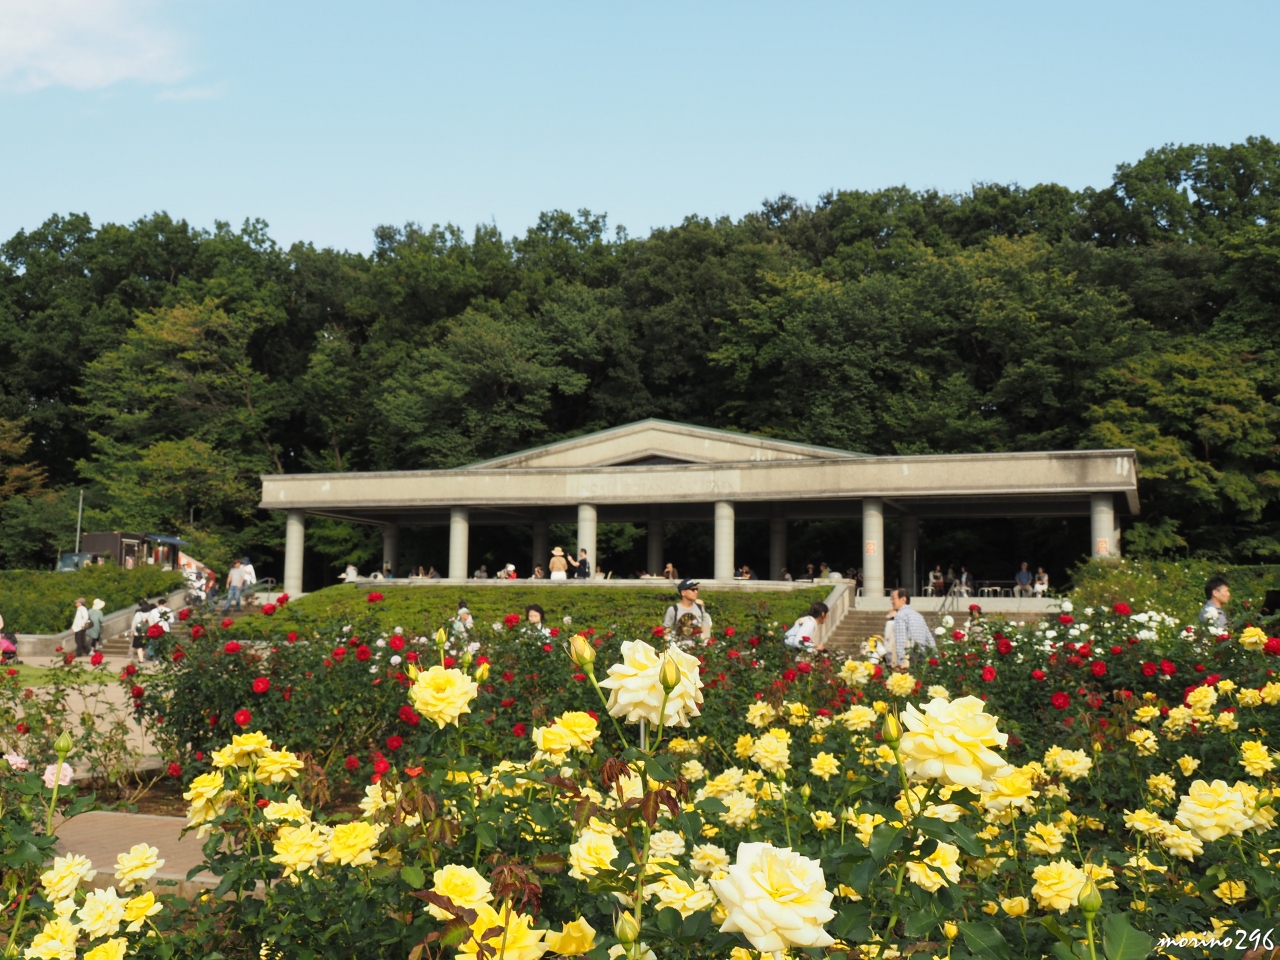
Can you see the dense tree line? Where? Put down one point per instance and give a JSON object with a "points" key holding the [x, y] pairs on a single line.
{"points": [[163, 367]]}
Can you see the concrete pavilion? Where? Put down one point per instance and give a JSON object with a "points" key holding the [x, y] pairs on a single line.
{"points": [[654, 471]]}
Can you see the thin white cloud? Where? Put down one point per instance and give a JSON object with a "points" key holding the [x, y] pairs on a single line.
{"points": [[85, 44], [212, 92]]}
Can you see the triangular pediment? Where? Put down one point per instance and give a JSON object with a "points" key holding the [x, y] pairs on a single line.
{"points": [[661, 443]]}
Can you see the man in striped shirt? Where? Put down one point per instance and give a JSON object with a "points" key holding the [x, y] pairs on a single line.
{"points": [[909, 629]]}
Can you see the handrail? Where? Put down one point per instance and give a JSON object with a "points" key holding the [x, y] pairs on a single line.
{"points": [[839, 602]]}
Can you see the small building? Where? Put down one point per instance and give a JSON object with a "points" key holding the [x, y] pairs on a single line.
{"points": [[132, 549], [655, 471]]}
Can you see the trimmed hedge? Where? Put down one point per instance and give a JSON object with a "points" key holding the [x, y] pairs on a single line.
{"points": [[40, 601], [423, 609], [1171, 586]]}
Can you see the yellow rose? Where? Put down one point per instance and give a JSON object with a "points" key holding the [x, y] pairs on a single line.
{"points": [[113, 949], [1180, 843], [1255, 758], [776, 898], [1162, 786], [824, 765], [1202, 698], [770, 753], [900, 684], [856, 673], [937, 869], [463, 885], [1187, 764], [553, 743], [635, 688], [1044, 839], [590, 853], [952, 742], [242, 749], [1057, 885], [1145, 741], [707, 858], [581, 728], [1253, 638], [688, 898], [1213, 810], [101, 913], [1015, 906], [443, 695], [723, 783], [138, 909], [137, 866], [1145, 713], [1012, 791], [291, 809], [352, 843], [761, 714], [1232, 891], [64, 876], [797, 714], [574, 939], [741, 809], [1248, 697], [693, 770], [277, 766], [1143, 821], [516, 939], [823, 819], [56, 939], [207, 797], [299, 848], [857, 718]]}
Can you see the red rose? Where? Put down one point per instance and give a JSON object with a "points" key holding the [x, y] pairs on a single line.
{"points": [[729, 631], [179, 655], [957, 635], [659, 631], [395, 742], [789, 675], [96, 659], [396, 642], [408, 714], [804, 667], [1004, 646], [1198, 668], [375, 597], [1066, 619], [1084, 650], [933, 661], [175, 770], [1122, 609], [130, 670], [580, 677], [1272, 646], [1116, 651], [877, 672], [1038, 674], [508, 676], [1098, 668], [1149, 669], [988, 674], [268, 608], [213, 721], [363, 653], [228, 622], [974, 608], [511, 620], [1167, 668], [288, 693], [22, 728], [754, 641], [282, 599], [243, 718], [339, 653], [546, 648], [261, 685], [449, 662], [381, 766], [555, 632], [413, 772], [1060, 700], [351, 763], [412, 656], [136, 692], [184, 613], [231, 647], [518, 730], [197, 632], [155, 631]]}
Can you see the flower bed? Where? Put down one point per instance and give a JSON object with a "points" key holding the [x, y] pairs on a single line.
{"points": [[961, 808]]}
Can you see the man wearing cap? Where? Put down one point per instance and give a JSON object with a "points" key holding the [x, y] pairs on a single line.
{"points": [[93, 633], [691, 607]]}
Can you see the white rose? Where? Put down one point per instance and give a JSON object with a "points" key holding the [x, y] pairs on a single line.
{"points": [[635, 691], [776, 898], [1066, 606]]}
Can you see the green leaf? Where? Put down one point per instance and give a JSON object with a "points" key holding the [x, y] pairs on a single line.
{"points": [[861, 876], [984, 939], [1120, 941], [487, 834], [884, 840], [669, 922], [413, 876], [659, 768], [1063, 952], [967, 840], [918, 924], [1055, 928]]}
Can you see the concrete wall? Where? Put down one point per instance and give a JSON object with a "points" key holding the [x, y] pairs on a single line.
{"points": [[114, 624]]}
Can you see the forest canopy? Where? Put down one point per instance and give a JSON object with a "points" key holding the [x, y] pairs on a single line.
{"points": [[163, 368]]}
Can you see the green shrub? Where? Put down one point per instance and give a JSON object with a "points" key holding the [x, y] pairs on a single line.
{"points": [[38, 601], [1171, 586]]}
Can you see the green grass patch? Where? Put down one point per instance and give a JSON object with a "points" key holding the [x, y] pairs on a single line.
{"points": [[422, 609], [40, 601], [29, 676]]}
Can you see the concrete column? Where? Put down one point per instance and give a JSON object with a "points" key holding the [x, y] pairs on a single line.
{"points": [[295, 526], [587, 534], [910, 544], [873, 546], [723, 567], [1115, 540], [541, 545], [656, 533], [1102, 514], [777, 547], [391, 544], [459, 535]]}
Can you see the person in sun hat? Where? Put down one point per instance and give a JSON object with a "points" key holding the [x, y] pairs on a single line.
{"points": [[688, 615], [558, 565]]}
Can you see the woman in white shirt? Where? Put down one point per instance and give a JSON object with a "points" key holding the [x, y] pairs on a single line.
{"points": [[801, 633]]}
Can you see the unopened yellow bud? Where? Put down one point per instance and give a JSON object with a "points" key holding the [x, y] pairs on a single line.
{"points": [[581, 652], [669, 674], [949, 929], [891, 731], [482, 673], [626, 929], [805, 791], [1090, 899], [441, 638]]}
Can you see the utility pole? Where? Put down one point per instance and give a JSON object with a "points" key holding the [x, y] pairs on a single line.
{"points": [[79, 518]]}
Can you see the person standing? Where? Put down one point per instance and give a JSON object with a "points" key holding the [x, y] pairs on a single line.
{"points": [[910, 632], [690, 607], [79, 624], [159, 616], [94, 631], [235, 585], [582, 566], [1217, 594], [559, 565], [138, 630]]}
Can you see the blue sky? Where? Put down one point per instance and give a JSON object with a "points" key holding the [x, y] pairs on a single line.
{"points": [[327, 119]]}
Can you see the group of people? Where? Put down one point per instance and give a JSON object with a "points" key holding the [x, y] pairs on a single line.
{"points": [[951, 583], [87, 624]]}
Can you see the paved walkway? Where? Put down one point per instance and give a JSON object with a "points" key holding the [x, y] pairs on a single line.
{"points": [[102, 836], [112, 695]]}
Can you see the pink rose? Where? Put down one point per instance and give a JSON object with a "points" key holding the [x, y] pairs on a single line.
{"points": [[63, 777], [17, 762]]}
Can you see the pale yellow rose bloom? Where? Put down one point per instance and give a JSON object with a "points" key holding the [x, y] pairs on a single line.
{"points": [[951, 742], [635, 689], [776, 898], [443, 695]]}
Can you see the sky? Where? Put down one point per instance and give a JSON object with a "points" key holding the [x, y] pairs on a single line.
{"points": [[328, 119]]}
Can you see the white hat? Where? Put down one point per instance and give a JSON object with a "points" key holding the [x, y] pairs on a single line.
{"points": [[99, 604]]}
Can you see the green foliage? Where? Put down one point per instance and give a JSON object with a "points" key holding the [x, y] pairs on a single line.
{"points": [[1174, 587], [42, 602]]}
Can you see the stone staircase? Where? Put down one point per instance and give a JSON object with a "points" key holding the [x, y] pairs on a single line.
{"points": [[853, 630]]}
